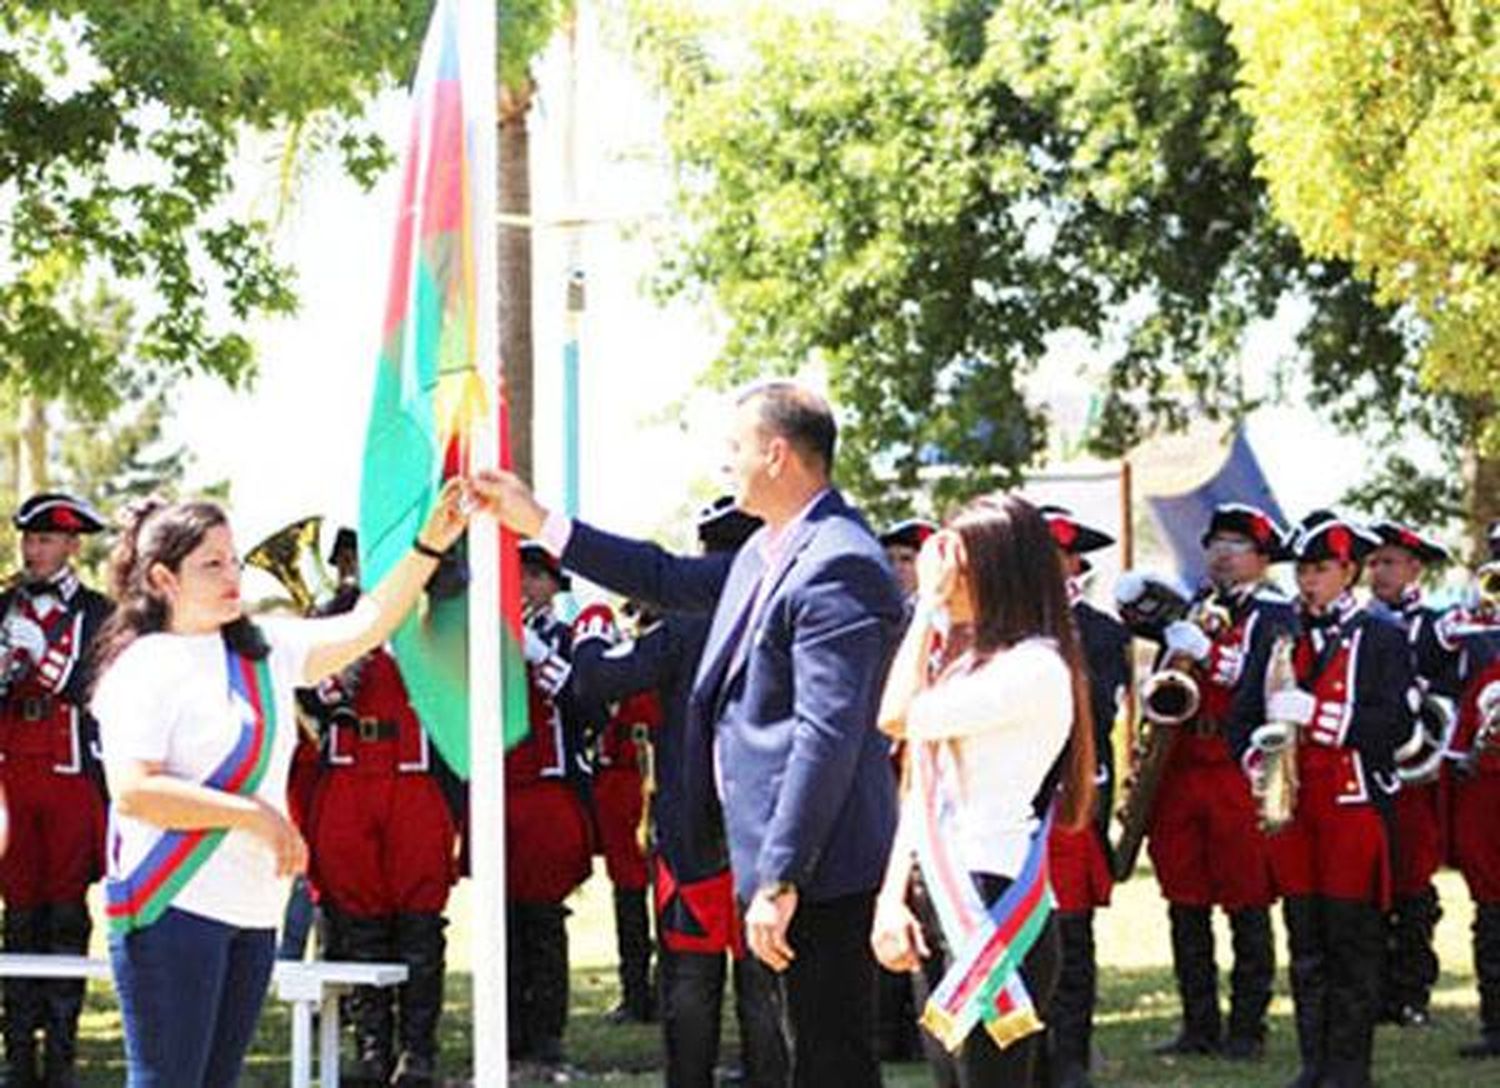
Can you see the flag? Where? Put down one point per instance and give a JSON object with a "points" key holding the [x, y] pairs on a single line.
{"points": [[436, 386], [1183, 517]]}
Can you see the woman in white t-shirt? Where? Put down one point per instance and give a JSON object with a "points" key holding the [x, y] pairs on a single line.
{"points": [[988, 692], [197, 723]]}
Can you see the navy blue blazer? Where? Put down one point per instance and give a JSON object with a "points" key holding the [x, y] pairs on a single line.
{"points": [[789, 707]]}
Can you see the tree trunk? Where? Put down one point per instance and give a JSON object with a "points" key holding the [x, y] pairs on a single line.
{"points": [[1482, 486], [31, 447], [516, 346]]}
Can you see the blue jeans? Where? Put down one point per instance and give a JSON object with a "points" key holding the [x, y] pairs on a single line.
{"points": [[190, 993]]}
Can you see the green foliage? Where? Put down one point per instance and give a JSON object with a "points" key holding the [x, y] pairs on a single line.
{"points": [[1378, 130], [921, 206]]}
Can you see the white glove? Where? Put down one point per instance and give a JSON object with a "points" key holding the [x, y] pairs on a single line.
{"points": [[1228, 663], [26, 635], [1129, 587], [1291, 705], [1182, 637], [535, 648]]}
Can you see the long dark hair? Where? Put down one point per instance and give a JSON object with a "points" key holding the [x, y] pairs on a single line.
{"points": [[157, 531], [1018, 591]]}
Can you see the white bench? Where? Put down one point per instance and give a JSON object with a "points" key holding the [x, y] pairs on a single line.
{"points": [[305, 986]]}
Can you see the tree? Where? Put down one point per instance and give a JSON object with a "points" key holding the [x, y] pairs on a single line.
{"points": [[1378, 132], [923, 205]]}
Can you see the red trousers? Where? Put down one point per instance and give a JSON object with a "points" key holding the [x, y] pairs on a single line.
{"points": [[1476, 833], [1333, 850], [382, 843], [619, 805], [1080, 871], [548, 843], [57, 829], [1205, 840], [1419, 839]]}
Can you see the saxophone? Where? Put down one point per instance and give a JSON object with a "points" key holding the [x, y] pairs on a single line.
{"points": [[1169, 697], [1273, 782]]}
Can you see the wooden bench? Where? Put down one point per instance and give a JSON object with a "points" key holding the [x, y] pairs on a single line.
{"points": [[305, 986]]}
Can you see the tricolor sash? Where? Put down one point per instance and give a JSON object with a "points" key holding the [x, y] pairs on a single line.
{"points": [[983, 982], [140, 897]]}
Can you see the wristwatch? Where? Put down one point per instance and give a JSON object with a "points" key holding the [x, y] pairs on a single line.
{"points": [[775, 890]]}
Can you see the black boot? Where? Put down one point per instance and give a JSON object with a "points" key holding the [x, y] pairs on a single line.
{"points": [[24, 1000], [1354, 934], [1411, 964], [545, 950], [518, 1042], [1070, 1019], [1307, 973], [68, 929], [367, 1008], [421, 946], [1487, 969], [1250, 984], [633, 941], [1197, 981]]}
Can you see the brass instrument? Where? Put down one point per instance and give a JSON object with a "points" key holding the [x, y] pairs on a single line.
{"points": [[291, 556], [1169, 697], [1487, 587], [1419, 759], [1273, 782], [1487, 736]]}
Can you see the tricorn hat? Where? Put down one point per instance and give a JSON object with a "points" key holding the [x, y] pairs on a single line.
{"points": [[1247, 521], [911, 533], [1396, 535], [535, 556], [723, 526], [1325, 535], [57, 512]]}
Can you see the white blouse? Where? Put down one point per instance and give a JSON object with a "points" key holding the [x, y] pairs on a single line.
{"points": [[1009, 720], [166, 700]]}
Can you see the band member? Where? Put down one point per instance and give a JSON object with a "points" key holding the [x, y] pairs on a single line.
{"points": [[623, 737], [1204, 840], [1348, 706], [548, 838], [902, 542], [383, 847], [1079, 860], [1411, 964], [51, 778], [897, 1035], [1474, 774]]}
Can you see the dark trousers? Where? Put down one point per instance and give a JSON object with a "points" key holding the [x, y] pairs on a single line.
{"points": [[827, 996], [692, 993], [979, 1063], [190, 991]]}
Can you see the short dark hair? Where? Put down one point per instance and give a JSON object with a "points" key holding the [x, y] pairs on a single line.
{"points": [[791, 411]]}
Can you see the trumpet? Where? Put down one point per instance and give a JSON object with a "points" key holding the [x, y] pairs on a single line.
{"points": [[1273, 781], [1170, 695], [1487, 587]]}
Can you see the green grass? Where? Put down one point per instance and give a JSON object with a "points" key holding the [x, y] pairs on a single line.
{"points": [[1138, 1006]]}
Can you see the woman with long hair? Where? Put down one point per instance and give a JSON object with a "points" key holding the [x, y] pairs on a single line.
{"points": [[990, 694], [197, 723]]}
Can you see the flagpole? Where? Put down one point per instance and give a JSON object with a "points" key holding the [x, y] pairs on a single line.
{"points": [[486, 752]]}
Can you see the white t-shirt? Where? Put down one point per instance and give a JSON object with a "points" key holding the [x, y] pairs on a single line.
{"points": [[1009, 720], [166, 700]]}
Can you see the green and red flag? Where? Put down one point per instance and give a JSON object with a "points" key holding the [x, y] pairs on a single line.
{"points": [[436, 387]]}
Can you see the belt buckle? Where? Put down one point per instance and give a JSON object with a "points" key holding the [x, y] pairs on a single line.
{"points": [[369, 730]]}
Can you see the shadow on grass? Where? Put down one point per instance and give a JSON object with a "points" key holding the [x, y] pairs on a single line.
{"points": [[1137, 1008]]}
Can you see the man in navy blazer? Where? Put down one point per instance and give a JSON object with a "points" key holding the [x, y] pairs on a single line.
{"points": [[781, 720]]}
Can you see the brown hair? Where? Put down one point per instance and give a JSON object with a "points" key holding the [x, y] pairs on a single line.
{"points": [[1018, 591], [158, 531], [792, 411]]}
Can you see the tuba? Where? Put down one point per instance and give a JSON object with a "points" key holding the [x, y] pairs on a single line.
{"points": [[1273, 782], [1169, 697], [1487, 735], [291, 556]]}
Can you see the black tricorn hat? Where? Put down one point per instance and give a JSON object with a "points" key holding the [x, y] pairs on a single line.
{"points": [[57, 512], [1326, 535], [911, 533], [1247, 521], [1072, 535], [723, 526], [534, 555], [1396, 535], [346, 539]]}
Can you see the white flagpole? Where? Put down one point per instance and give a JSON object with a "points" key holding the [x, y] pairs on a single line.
{"points": [[486, 751]]}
